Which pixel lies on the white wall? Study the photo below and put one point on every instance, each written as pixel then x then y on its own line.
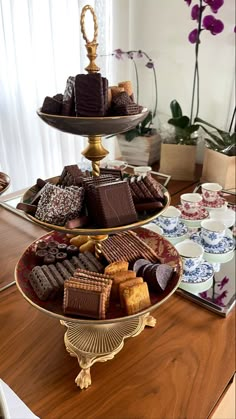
pixel 161 28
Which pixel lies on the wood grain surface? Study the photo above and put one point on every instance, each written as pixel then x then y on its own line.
pixel 179 369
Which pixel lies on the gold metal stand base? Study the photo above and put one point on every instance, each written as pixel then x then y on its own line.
pixel 99 343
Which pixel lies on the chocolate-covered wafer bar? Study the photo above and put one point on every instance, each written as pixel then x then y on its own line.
pixel 99 266
pixel 56 286
pixel 28 208
pixel 89 95
pixel 40 283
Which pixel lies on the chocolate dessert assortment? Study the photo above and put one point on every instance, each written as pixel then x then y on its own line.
pixel 88 95
pixel 79 200
pixel 4 182
pixel 88 287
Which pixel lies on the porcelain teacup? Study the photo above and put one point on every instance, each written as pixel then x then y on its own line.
pixel 210 192
pixel 191 202
pixel 115 164
pixel 191 254
pixel 142 170
pixel 169 219
pixel 212 231
pixel 225 215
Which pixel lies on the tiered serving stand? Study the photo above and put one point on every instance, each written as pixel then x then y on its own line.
pixel 97 340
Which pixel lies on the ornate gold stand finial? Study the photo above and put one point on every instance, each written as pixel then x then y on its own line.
pixel 91 46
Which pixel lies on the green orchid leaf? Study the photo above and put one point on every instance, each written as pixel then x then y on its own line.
pixel 225 135
pixel 233 138
pixel 146 120
pixel 217 140
pixel 175 108
pixel 192 128
pixel 210 144
pixel 130 135
pixel 180 122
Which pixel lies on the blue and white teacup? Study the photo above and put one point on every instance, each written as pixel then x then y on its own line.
pixel 191 254
pixel 169 219
pixel 212 231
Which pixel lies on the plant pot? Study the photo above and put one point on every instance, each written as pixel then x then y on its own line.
pixel 219 168
pixel 141 151
pixel 178 161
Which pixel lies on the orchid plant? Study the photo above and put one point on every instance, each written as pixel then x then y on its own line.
pixel 221 141
pixel 145 127
pixel 205 22
pixel 185 127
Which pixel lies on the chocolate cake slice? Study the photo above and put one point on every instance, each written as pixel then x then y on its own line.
pixel 51 106
pixel 114 204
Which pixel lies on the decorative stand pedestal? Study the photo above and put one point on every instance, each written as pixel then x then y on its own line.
pixel 100 342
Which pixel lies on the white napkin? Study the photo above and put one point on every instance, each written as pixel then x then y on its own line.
pixel 11 406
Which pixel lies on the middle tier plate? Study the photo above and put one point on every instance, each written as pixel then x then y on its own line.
pixel 92 230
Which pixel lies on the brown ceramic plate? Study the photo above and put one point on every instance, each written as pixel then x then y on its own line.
pixel 164 249
pixel 4 182
pixel 92 230
pixel 100 126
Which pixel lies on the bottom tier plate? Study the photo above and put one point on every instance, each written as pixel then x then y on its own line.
pixel 164 249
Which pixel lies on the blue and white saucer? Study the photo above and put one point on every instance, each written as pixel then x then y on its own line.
pixel 175 235
pixel 200 280
pixel 220 253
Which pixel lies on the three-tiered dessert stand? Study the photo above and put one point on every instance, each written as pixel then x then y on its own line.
pixel 91 341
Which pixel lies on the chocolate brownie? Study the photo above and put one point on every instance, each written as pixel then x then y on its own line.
pixel 51 106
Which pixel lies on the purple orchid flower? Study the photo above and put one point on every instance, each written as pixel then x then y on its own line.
pixel 215 5
pixel 215 26
pixel 193 36
pixel 118 53
pixel 220 297
pixel 130 54
pixel 150 64
pixel 195 12
pixel 188 2
pixel 223 282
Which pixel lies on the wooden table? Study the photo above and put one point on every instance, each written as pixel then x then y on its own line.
pixel 179 369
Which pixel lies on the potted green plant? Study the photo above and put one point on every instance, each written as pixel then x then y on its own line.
pixel 141 145
pixel 219 155
pixel 178 154
pixel 181 163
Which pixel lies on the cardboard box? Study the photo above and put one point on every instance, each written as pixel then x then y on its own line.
pixel 219 168
pixel 178 161
pixel 141 151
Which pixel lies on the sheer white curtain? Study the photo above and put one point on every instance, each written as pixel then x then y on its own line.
pixel 40 46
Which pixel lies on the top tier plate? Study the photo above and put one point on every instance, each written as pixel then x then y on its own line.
pixel 92 230
pixel 99 126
